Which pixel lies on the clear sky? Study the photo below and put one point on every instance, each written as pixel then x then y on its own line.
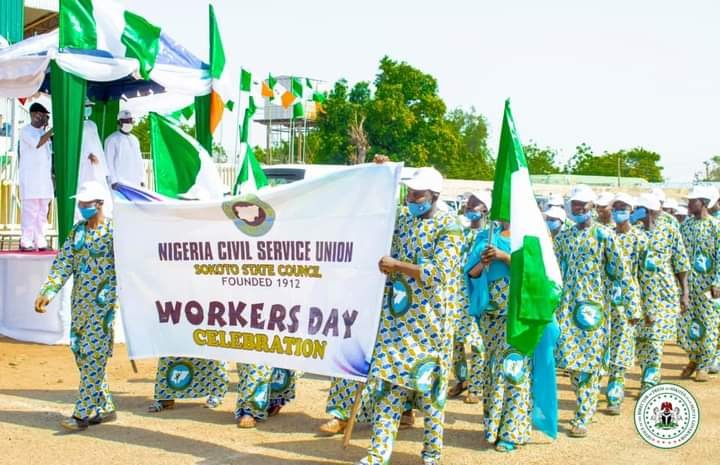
pixel 613 73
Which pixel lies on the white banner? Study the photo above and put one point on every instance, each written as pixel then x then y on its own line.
pixel 287 277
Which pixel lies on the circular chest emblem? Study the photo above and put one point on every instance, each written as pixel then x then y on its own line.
pixel 513 367
pixel 399 298
pixel 667 416
pixel 702 263
pixel 588 316
pixel 424 375
pixel 280 379
pixel 179 376
pixel 650 264
pixel 697 330
pixel 79 238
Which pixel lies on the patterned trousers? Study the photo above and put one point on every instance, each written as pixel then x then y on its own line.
pixel 649 353
pixel 389 404
pixel 587 390
pixel 92 349
pixel 261 388
pixel 469 368
pixel 190 378
pixel 615 392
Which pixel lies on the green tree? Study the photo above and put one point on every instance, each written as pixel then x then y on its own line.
pixel 475 160
pixel 541 160
pixel 635 163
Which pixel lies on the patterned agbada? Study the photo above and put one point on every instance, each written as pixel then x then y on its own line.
pixel 191 378
pixel 87 256
pixel 467 332
pixel 591 262
pixel 665 257
pixel 414 344
pixel 262 388
pixel 625 310
pixel 699 326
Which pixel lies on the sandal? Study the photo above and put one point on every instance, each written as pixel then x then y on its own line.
pixel 689 370
pixel 103 418
pixel 504 446
pixel 578 432
pixel 75 424
pixel 274 410
pixel 160 405
pixel 407 420
pixel 213 402
pixel 246 422
pixel 334 426
pixel 701 376
pixel 458 389
pixel 472 399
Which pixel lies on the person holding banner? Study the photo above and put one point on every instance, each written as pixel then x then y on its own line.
pixel 87 256
pixel 414 344
pixel 469 375
pixel 592 261
pixel 262 392
pixel 189 378
pixel 506 402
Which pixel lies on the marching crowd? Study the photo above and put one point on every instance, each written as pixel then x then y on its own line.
pixel 637 272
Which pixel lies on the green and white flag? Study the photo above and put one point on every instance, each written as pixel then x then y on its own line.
pixel 251 177
pixel 106 26
pixel 535 279
pixel 182 167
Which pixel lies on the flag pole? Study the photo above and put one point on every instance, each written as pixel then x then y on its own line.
pixel 351 421
pixel 237 119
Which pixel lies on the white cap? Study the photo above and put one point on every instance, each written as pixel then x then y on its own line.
pixel 484 196
pixel 426 179
pixel 704 192
pixel 659 194
pixel 671 204
pixel 605 199
pixel 556 212
pixel 556 200
pixel 681 210
pixel 649 201
pixel 624 198
pixel 582 193
pixel 91 190
pixel 125 114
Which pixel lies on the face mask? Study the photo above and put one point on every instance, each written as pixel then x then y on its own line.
pixel 638 214
pixel 716 214
pixel 553 225
pixel 473 216
pixel 581 218
pixel 620 216
pixel 88 112
pixel 88 212
pixel 419 209
pixel 126 127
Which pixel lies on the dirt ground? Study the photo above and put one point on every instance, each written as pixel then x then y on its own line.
pixel 38 386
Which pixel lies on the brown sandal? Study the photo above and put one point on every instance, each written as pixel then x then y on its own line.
pixel 689 370
pixel 160 405
pixel 334 426
pixel 246 422
pixel 458 389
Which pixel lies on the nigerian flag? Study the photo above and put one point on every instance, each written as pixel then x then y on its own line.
pixel 182 167
pixel 251 176
pixel 535 280
pixel 106 26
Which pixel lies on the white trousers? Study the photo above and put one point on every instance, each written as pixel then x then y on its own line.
pixel 33 221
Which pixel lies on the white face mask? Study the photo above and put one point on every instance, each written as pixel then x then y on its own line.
pixel 88 112
pixel 126 127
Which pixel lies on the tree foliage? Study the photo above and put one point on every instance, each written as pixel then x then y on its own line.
pixel 541 160
pixel 635 163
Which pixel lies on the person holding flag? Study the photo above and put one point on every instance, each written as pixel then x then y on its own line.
pixel 87 257
pixel 663 285
pixel 515 287
pixel 592 263
pixel 700 324
pixel 625 303
pixel 469 373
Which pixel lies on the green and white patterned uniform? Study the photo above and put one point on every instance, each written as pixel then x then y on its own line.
pixel 467 332
pixel 698 328
pixel 591 263
pixel 87 256
pixel 190 378
pixel 261 388
pixel 664 257
pixel 414 344
pixel 625 305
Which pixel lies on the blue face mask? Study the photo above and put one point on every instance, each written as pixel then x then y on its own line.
pixel 581 218
pixel 88 212
pixel 638 214
pixel 716 214
pixel 553 225
pixel 419 209
pixel 620 216
pixel 473 216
